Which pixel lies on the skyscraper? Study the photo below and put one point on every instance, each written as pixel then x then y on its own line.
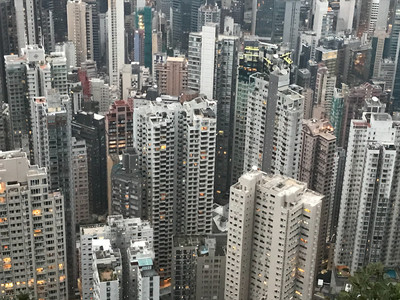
pixel 116 40
pixel 270 217
pixel 177 156
pixel 51 135
pixel 33 240
pixel 274 124
pixel 90 127
pixel 278 20
pixel 80 30
pixel 80 184
pixel 317 169
pixel 226 59
pixel 368 225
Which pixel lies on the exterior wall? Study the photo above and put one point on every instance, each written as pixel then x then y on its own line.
pixel 272 238
pixel 37 255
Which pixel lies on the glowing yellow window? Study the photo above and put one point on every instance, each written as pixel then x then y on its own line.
pixel 36 212
pixel 60 266
pixel 204 128
pixel 163 147
pixel 2 220
pixel 307 210
pixel 6 259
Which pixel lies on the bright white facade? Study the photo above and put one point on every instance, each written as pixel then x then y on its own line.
pixel 272 238
pixel 107 271
pixel 116 39
pixel 33 250
pixel 207 60
pixel 201 60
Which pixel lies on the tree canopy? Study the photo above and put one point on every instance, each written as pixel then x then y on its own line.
pixel 370 283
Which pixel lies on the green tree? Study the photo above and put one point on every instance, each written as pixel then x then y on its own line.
pixel 370 283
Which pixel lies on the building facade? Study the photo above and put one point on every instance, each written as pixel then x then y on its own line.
pixel 34 258
pixel 273 236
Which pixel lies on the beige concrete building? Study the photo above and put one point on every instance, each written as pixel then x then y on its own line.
pixel 79 31
pixel 273 236
pixel 173 76
pixel 317 169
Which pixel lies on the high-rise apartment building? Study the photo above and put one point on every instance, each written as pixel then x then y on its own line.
pixel 51 139
pixel 273 126
pixel 250 62
pixel 273 237
pixel 80 30
pixel 354 100
pixel 119 128
pixel 31 75
pixel 368 226
pixel 317 169
pixel 33 240
pixel 90 127
pixel 201 60
pixel 80 184
pixel 116 40
pixel 177 156
pixel 173 76
pixel 107 271
pixel 126 185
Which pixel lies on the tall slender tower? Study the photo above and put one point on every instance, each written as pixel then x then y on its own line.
pixel 116 40
pixel 368 228
pixel 80 30
pixel 272 238
pixel 225 93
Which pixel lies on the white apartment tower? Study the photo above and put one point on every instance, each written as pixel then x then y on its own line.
pixel 116 40
pixel 201 60
pixel 368 228
pixel 33 250
pixel 272 238
pixel 177 145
